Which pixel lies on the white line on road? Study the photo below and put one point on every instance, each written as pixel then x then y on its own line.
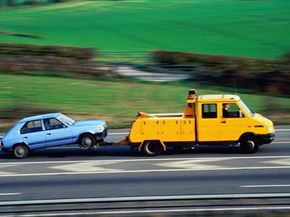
pixel 9 194
pixel 146 159
pixel 281 142
pixel 118 133
pixel 177 170
pixel 265 186
pixel 282 130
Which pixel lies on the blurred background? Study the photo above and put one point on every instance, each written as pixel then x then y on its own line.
pixel 110 59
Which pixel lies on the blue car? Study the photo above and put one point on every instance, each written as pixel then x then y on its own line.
pixel 51 130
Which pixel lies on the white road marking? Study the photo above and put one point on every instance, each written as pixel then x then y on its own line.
pixel 143 171
pixel 175 165
pixel 281 161
pixel 85 167
pixel 265 186
pixel 193 164
pixel 282 130
pixel 281 142
pixel 148 159
pixel 118 133
pixel 9 194
pixel 5 173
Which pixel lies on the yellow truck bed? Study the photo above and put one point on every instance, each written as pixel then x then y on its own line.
pixel 165 127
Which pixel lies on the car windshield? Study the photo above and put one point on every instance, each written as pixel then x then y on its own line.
pixel 246 108
pixel 66 120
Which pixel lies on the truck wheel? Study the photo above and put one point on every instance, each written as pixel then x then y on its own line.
pixel 249 145
pixel 151 148
pixel 87 141
pixel 20 151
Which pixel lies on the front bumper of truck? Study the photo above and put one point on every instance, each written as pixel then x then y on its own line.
pixel 266 138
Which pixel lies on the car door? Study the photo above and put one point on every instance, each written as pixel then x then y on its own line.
pixel 57 133
pixel 33 134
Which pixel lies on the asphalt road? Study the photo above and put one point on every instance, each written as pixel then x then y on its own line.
pixel 68 172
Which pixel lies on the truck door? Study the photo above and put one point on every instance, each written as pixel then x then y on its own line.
pixel 208 123
pixel 233 122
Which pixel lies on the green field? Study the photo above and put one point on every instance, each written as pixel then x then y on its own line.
pixel 134 28
pixel 115 101
pixel 228 27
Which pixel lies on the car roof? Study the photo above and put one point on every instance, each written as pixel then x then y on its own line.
pixel 38 117
pixel 218 97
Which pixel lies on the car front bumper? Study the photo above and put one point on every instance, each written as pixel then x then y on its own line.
pixel 102 135
pixel 266 138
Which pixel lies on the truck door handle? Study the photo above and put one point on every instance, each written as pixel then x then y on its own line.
pixel 223 122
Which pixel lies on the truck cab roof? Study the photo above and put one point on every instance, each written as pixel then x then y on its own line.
pixel 218 97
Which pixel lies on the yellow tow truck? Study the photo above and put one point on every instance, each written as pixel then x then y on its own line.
pixel 207 120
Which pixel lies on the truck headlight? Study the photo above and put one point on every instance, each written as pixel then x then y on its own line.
pixel 271 129
pixel 101 128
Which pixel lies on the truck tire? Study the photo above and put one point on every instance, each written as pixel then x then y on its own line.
pixel 20 151
pixel 249 145
pixel 87 141
pixel 151 148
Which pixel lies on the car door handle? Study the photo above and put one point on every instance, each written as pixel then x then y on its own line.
pixel 25 137
pixel 48 134
pixel 223 122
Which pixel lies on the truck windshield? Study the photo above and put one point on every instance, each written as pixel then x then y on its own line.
pixel 246 108
pixel 66 120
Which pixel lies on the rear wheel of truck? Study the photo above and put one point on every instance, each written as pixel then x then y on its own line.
pixel 20 151
pixel 249 144
pixel 151 148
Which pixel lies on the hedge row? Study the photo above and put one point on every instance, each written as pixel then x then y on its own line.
pixel 39 50
pixel 272 76
pixel 22 58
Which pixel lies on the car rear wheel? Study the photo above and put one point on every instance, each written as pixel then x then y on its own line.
pixel 87 141
pixel 20 151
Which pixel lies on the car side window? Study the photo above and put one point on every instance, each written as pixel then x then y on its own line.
pixel 31 127
pixel 231 110
pixel 52 124
pixel 209 111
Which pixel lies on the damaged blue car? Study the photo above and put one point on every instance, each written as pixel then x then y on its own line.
pixel 51 130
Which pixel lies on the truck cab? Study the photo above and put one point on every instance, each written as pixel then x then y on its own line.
pixel 207 120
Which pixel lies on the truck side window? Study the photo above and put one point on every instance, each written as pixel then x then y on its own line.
pixel 209 111
pixel 231 110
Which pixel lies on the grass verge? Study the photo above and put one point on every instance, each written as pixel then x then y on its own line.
pixel 117 102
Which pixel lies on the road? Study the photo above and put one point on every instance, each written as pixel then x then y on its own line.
pixel 68 172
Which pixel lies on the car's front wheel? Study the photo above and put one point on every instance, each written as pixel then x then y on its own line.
pixel 87 141
pixel 20 151
pixel 249 145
